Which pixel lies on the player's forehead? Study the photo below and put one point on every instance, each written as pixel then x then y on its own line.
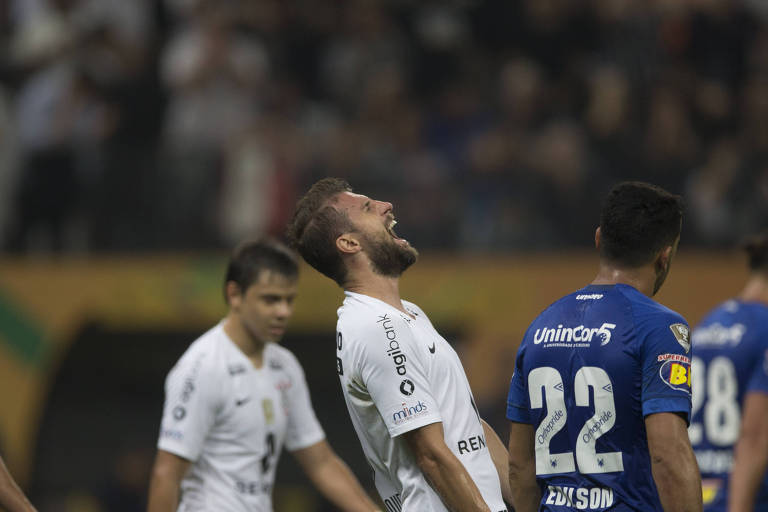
pixel 349 200
pixel 271 282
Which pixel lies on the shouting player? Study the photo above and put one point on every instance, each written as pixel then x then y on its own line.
pixel 405 388
pixel 236 397
pixel 730 394
pixel 601 395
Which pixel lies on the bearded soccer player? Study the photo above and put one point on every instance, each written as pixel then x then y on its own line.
pixel 405 388
pixel 730 394
pixel 236 397
pixel 600 397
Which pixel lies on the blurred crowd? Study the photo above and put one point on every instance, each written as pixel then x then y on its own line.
pixel 491 125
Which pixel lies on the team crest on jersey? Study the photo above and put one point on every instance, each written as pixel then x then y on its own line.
pixel 269 411
pixel 682 335
pixel 676 374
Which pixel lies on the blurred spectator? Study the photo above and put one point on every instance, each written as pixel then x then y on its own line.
pixel 509 118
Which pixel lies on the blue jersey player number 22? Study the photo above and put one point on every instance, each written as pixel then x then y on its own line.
pixel 588 370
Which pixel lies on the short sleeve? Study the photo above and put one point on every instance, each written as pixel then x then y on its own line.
pixel 396 378
pixel 190 408
pixel 303 429
pixel 666 366
pixel 518 405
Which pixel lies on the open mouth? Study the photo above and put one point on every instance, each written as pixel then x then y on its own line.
pixel 391 231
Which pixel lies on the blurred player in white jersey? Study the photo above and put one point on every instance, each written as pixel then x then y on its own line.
pixel 405 388
pixel 11 497
pixel 236 397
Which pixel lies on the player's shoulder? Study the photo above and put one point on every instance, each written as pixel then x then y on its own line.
pixel 205 355
pixel 360 313
pixel 645 309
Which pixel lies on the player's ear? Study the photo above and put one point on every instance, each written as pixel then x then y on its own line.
pixel 234 296
pixel 664 258
pixel 347 243
pixel 597 237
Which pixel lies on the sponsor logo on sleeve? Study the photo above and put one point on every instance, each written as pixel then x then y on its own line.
pixel 393 349
pixel 407 387
pixel 677 375
pixel 179 412
pixel 339 366
pixel 409 412
pixel 682 335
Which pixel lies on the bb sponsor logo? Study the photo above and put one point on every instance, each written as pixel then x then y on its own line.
pixel 407 387
pixel 393 350
pixel 580 498
pixel 569 337
pixel 408 413
pixel 682 335
pixel 677 375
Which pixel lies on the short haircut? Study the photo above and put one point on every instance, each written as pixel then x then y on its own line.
pixel 756 247
pixel 637 221
pixel 316 225
pixel 253 257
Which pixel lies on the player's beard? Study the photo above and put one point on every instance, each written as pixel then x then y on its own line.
pixel 389 258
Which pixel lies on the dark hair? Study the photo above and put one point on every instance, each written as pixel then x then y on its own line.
pixel 756 247
pixel 316 225
pixel 253 257
pixel 637 221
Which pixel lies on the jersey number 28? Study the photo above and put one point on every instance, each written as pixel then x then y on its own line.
pixel 546 383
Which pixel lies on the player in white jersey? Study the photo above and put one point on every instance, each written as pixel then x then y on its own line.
pixel 235 398
pixel 405 388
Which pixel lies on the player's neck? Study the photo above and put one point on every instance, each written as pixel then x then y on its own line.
pixel 385 289
pixel 756 289
pixel 250 346
pixel 642 279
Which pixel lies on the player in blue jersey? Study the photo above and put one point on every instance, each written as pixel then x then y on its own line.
pixel 600 397
pixel 730 399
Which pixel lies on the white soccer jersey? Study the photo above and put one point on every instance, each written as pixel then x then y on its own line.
pixel 231 419
pixel 398 374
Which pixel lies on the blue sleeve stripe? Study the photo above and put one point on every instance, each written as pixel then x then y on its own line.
pixel 682 404
pixel 518 414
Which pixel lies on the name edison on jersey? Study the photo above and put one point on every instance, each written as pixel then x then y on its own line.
pixel 579 336
pixel 581 498
pixel 394 346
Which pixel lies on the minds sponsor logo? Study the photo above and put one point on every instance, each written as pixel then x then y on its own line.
pixel 393 351
pixel 579 336
pixel 408 413
pixel 172 434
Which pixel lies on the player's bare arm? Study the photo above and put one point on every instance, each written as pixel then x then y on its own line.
pixel 333 478
pixel 750 455
pixel 444 471
pixel 11 496
pixel 500 458
pixel 673 463
pixel 526 495
pixel 165 481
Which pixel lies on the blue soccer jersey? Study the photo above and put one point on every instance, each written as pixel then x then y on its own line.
pixel 588 371
pixel 731 346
